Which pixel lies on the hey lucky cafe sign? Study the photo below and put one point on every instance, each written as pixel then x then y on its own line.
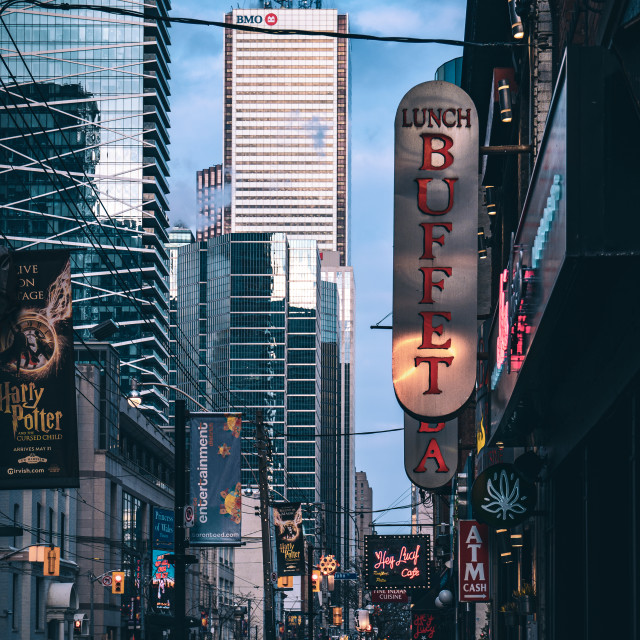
pixel 435 251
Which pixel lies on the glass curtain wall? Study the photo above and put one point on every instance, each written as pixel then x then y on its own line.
pixel 83 117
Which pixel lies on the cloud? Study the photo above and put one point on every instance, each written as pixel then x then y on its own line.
pixel 430 20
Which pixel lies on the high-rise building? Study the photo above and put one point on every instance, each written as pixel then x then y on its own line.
pixel 286 136
pixel 83 117
pixel 178 237
pixel 363 499
pixel 338 325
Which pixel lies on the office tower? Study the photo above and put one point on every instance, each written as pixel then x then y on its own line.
pixel 83 116
pixel 341 400
pixel 232 303
pixel 178 237
pixel 286 137
pixel 363 510
pixel 250 302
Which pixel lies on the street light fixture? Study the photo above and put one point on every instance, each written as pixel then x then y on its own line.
pixel 179 500
pixel 134 399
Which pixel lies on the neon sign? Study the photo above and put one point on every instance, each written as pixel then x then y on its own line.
pixel 397 562
pixel 423 626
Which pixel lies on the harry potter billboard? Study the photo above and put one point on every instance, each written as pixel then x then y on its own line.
pixel 287 517
pixel 37 384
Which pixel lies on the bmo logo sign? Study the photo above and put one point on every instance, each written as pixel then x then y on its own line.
pixel 270 19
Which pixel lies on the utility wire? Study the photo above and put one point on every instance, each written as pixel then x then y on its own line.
pixel 65 6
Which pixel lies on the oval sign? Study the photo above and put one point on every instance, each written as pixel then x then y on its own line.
pixel 435 256
pixel 430 451
pixel 502 497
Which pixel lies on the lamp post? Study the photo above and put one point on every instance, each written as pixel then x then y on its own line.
pixel 179 499
pixel 178 530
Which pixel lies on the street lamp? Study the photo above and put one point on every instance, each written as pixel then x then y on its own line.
pixel 238 614
pixel 179 500
pixel 134 399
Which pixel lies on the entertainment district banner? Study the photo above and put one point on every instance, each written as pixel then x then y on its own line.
pixel 215 479
pixel 38 422
pixel 287 518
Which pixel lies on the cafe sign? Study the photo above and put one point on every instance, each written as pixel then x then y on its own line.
pixel 397 562
pixel 435 251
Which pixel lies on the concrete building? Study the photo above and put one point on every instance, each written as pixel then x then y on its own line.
pixel 34 606
pixel 363 499
pixel 286 135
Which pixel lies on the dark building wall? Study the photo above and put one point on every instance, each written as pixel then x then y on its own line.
pixel 574 404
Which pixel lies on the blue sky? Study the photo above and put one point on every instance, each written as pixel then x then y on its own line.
pixel 381 73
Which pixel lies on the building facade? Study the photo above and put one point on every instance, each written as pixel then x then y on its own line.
pixel 178 237
pixel 553 404
pixel 258 325
pixel 84 109
pixel 286 135
pixel 339 405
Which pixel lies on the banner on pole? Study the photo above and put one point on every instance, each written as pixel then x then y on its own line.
pixel 38 421
pixel 215 479
pixel 287 518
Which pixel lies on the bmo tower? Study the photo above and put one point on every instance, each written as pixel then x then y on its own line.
pixel 286 134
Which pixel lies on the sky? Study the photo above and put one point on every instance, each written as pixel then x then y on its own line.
pixel 381 74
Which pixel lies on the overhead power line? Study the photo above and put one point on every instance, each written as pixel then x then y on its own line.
pixel 65 6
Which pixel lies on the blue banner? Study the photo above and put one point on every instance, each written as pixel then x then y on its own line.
pixel 162 529
pixel 215 479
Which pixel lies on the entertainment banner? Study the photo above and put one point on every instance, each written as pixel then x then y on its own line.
pixel 287 518
pixel 38 422
pixel 215 479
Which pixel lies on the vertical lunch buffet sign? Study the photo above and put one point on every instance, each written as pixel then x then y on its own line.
pixel 38 421
pixel 434 267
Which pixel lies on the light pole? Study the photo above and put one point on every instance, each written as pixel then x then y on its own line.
pixel 263 455
pixel 179 500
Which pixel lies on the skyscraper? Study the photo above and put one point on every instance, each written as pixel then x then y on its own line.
pixel 342 396
pixel 249 303
pixel 286 137
pixel 83 116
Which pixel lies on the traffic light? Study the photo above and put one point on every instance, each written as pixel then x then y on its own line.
pixel 51 563
pixel 117 582
pixel 77 627
pixel 285 582
pixel 316 578
pixel 337 615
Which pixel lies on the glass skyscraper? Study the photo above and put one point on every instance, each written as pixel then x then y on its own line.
pixel 83 117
